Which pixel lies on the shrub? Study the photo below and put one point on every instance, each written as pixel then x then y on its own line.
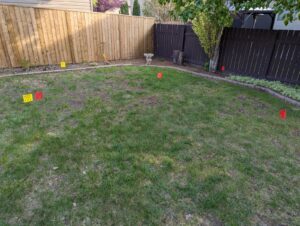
pixel 124 9
pixel 136 11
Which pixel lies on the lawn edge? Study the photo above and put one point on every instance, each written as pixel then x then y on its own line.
pixel 198 74
pixel 63 70
pixel 212 77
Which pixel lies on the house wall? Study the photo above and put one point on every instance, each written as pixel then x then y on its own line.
pixel 78 5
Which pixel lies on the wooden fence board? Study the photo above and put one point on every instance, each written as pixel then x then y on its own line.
pixel 193 51
pixel 264 54
pixel 168 38
pixel 48 36
pixel 5 40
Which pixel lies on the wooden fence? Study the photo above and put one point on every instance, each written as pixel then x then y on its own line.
pixel 169 37
pixel 264 54
pixel 46 36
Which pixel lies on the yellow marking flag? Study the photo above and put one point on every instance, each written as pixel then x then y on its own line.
pixel 27 98
pixel 63 64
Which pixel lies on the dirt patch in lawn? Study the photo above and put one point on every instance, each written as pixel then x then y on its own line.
pixel 296 132
pixel 149 101
pixel 170 218
pixel 262 220
pixel 261 108
pixel 32 201
pixel 34 83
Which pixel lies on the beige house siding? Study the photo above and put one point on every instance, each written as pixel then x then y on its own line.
pixel 78 5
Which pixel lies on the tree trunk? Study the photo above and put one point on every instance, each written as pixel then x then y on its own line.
pixel 213 63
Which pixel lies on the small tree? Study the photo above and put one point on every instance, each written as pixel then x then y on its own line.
pixel 136 11
pixel 208 25
pixel 124 9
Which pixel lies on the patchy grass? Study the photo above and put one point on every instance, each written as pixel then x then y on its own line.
pixel 117 146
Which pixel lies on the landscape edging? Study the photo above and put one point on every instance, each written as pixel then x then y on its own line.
pixel 261 88
pixel 204 75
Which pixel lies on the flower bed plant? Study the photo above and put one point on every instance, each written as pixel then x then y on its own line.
pixel 286 90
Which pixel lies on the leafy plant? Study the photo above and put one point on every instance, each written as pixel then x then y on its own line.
pixel 124 9
pixel 136 11
pixel 160 12
pixel 289 91
pixel 208 25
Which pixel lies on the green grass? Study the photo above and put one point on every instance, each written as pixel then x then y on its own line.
pixel 286 90
pixel 117 146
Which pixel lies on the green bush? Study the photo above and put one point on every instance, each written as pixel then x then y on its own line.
pixel 124 9
pixel 289 91
pixel 136 11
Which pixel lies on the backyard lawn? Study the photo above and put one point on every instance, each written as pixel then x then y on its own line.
pixel 117 146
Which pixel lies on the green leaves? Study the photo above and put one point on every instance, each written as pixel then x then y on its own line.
pixel 212 17
pixel 291 8
pixel 189 9
pixel 124 9
pixel 136 8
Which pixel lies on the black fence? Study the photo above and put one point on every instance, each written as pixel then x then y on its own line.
pixel 264 54
pixel 169 37
pixel 272 55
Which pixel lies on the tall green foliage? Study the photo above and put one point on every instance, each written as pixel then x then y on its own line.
pixel 152 8
pixel 208 25
pixel 188 9
pixel 136 11
pixel 124 9
pixel 207 33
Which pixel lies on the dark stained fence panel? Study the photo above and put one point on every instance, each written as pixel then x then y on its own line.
pixel 285 63
pixel 258 53
pixel 246 51
pixel 263 54
pixel 193 51
pixel 168 37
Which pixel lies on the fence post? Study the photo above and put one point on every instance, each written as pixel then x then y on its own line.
pixel 272 53
pixel 183 38
pixel 68 20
